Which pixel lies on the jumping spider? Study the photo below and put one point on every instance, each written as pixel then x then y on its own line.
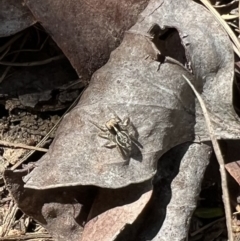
pixel 119 133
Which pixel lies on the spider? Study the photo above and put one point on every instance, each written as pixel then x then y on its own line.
pixel 119 134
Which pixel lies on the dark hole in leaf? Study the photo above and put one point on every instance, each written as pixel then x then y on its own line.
pixel 168 43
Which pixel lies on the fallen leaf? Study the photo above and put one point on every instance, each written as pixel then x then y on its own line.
pixel 185 187
pixel 65 208
pixel 158 102
pixel 121 208
pixel 234 170
pixel 86 31
pixel 14 17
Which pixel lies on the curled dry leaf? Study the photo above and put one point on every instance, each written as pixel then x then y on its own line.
pixel 14 17
pixel 155 98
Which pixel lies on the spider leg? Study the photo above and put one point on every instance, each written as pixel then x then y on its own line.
pixel 104 135
pixel 110 145
pixel 102 128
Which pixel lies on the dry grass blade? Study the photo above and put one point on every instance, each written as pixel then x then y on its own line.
pixel 239 13
pixel 9 219
pixel 225 5
pixel 36 63
pixel 30 50
pixel 236 50
pixel 229 17
pixel 233 25
pixel 10 42
pixel 4 200
pixel 219 156
pixel 20 145
pixel 223 23
pixel 14 58
pixel 27 236
pixel 4 53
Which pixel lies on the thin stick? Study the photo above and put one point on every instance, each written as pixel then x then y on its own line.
pixel 27 236
pixel 236 50
pixel 30 50
pixel 4 54
pixel 219 157
pixel 225 5
pixel 10 218
pixel 10 42
pixel 4 200
pixel 14 58
pixel 238 14
pixel 36 63
pixel 206 226
pixel 20 145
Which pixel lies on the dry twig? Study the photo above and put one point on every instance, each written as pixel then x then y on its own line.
pixel 20 145
pixel 9 219
pixel 30 50
pixel 225 5
pixel 14 58
pixel 27 236
pixel 219 157
pixel 34 63
pixel 10 42
pixel 4 53
pixel 239 13
pixel 6 199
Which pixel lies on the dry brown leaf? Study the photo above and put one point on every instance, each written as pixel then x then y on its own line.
pixel 209 52
pixel 86 31
pixel 234 170
pixel 122 208
pixel 192 159
pixel 14 17
pixel 65 208
pixel 156 99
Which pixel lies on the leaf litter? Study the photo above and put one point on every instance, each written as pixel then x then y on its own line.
pixel 207 64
